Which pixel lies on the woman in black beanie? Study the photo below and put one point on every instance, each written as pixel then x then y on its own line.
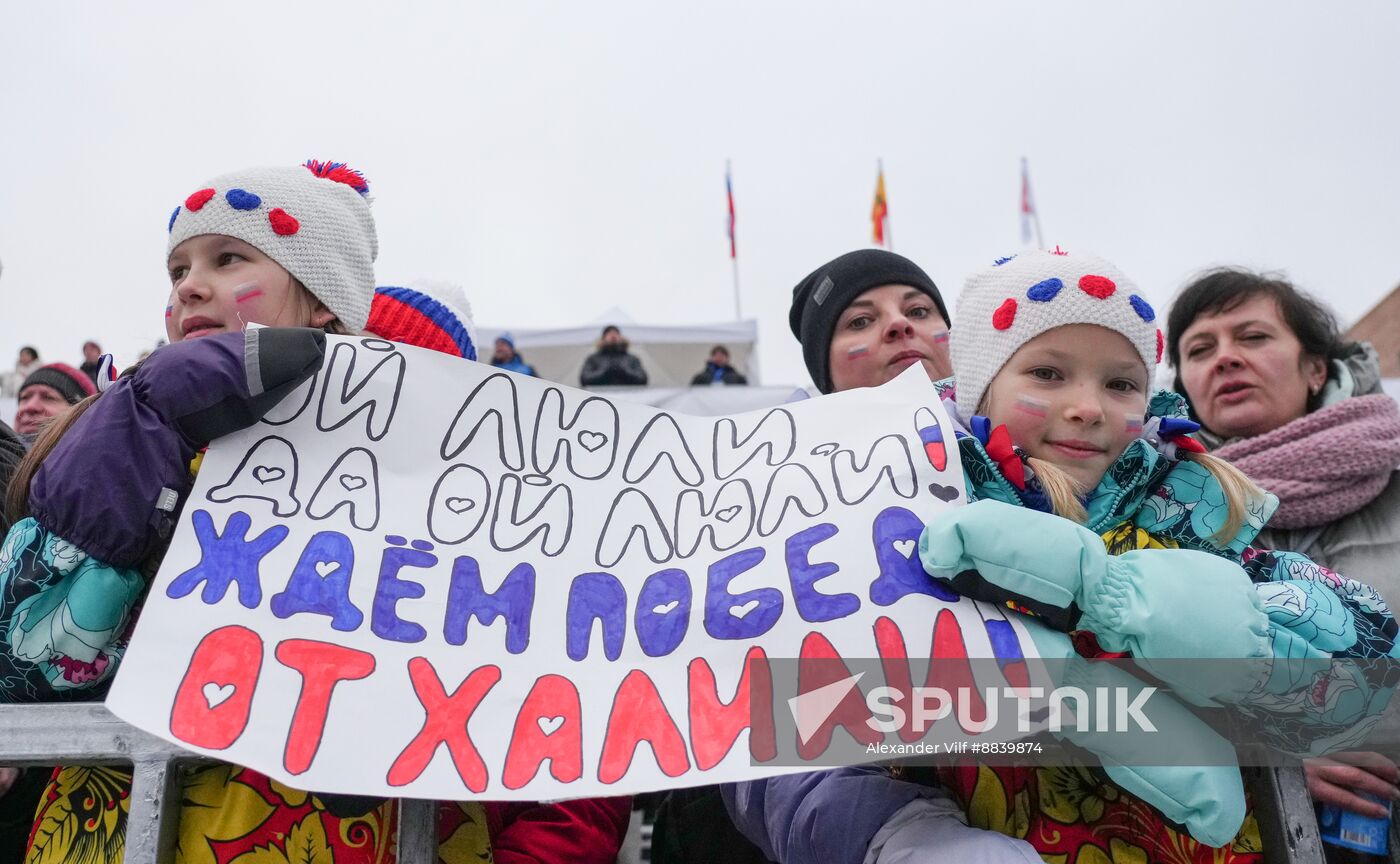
pixel 865 317
pixel 862 319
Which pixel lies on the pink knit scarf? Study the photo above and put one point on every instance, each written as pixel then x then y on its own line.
pixel 1324 465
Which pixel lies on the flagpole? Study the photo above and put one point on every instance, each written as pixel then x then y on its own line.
pixel 889 235
pixel 1028 204
pixel 738 314
pixel 733 244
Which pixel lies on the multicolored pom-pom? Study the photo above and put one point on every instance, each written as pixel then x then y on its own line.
pixel 340 173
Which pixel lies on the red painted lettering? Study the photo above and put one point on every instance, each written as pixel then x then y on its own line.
pixel 715 724
pixel 638 714
pixel 322 666
pixel 549 726
pixel 819 666
pixel 211 706
pixel 445 723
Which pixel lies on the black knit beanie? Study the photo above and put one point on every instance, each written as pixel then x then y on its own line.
pixel 819 300
pixel 71 384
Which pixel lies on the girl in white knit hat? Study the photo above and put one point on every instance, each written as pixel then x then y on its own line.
pixel 291 246
pixel 1096 516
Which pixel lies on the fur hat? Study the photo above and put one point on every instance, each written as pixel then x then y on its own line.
pixel 1022 296
pixel 313 220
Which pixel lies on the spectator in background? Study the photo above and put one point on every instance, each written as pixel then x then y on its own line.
pixel 92 355
pixel 28 361
pixel 505 357
pixel 48 392
pixel 611 365
pixel 717 370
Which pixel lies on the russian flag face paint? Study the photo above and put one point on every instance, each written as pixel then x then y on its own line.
pixel 247 292
pixel 1133 425
pixel 169 310
pixel 1032 406
pixel 859 352
pixel 940 338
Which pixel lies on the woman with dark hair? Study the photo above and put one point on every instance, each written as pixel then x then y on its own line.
pixel 1302 413
pixel 1281 396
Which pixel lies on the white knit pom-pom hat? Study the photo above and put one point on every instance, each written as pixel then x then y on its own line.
pixel 1022 296
pixel 313 219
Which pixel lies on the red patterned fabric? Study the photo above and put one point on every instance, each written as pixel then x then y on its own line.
pixel 1075 815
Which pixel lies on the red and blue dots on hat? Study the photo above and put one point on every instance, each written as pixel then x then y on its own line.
pixel 283 223
pixel 1096 286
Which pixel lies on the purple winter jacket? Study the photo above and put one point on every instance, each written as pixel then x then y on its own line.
pixel 790 817
pixel 113 483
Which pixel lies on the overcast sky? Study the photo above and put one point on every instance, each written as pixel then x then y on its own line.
pixel 558 159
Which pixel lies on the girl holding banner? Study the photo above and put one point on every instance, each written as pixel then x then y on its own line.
pixel 1097 513
pixel 292 248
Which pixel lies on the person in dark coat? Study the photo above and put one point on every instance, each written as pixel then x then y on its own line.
pixel 611 365
pixel 717 370
pixel 92 358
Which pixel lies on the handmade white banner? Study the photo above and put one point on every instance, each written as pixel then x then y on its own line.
pixel 422 577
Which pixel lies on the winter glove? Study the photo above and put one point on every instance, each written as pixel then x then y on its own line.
pixel 1152 603
pixel 1207 799
pixel 112 484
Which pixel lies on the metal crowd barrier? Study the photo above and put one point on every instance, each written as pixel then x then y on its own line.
pixel 88 734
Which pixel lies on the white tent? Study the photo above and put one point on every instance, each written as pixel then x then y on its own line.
pixel 670 354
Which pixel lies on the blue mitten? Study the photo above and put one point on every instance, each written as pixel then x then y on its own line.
pixel 1152 603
